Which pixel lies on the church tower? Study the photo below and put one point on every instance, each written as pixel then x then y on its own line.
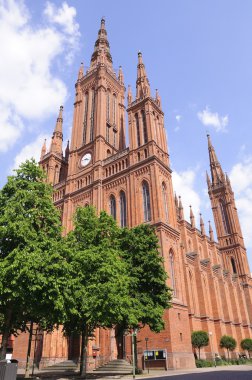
pixel 226 219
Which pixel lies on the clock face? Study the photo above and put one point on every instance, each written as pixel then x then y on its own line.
pixel 85 159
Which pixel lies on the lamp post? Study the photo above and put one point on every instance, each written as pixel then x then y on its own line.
pixel 146 340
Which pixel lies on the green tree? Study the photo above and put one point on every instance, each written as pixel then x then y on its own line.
pixel 32 270
pixel 246 344
pixel 199 339
pixel 99 286
pixel 228 342
pixel 148 289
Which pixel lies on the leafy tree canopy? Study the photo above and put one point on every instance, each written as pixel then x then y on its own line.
pixel 32 270
pixel 228 342
pixel 246 344
pixel 199 339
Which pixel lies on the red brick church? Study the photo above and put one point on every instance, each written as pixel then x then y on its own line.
pixel 211 281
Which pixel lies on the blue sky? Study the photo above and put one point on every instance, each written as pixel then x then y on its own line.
pixel 197 53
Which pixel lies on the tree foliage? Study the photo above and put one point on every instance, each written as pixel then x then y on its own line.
pixel 228 342
pixel 118 278
pixel 246 344
pixel 32 271
pixel 199 339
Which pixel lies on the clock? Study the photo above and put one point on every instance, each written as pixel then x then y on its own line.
pixel 85 160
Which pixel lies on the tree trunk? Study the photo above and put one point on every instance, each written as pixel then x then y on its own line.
pixel 199 353
pixel 228 354
pixel 83 357
pixel 6 333
pixel 27 367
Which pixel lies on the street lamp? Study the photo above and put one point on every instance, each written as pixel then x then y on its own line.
pixel 146 340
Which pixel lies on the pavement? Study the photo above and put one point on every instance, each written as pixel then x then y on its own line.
pixel 234 372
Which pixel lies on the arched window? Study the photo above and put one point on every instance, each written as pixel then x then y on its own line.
pixel 85 118
pixel 145 133
pixel 137 130
pixel 224 217
pixel 92 116
pixel 164 194
pixel 112 205
pixel 146 202
pixel 114 109
pixel 172 272
pixel 108 106
pixel 123 209
pixel 233 265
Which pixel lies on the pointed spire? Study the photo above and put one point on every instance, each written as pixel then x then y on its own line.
pixel 129 96
pixel 158 99
pixel 228 181
pixel 208 180
pixel 211 231
pixel 192 219
pixel 81 71
pixel 67 151
pixel 120 75
pixel 142 83
pixel 202 225
pixel 57 137
pixel 101 54
pixel 176 200
pixel 181 209
pixel 217 174
pixel 43 150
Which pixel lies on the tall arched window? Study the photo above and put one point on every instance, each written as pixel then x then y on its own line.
pixel 224 217
pixel 137 130
pixel 114 109
pixel 164 194
pixel 108 106
pixel 85 118
pixel 112 205
pixel 145 133
pixel 233 265
pixel 123 209
pixel 146 202
pixel 92 116
pixel 172 272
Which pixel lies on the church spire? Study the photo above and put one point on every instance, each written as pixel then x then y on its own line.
pixel 217 174
pixel 57 137
pixel 192 219
pixel 81 71
pixel 142 83
pixel 43 150
pixel 181 209
pixel 129 96
pixel 202 225
pixel 101 54
pixel 120 75
pixel 211 235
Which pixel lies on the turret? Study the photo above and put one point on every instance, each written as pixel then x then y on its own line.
pixel 57 137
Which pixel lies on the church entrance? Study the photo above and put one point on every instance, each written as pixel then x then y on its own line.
pixel 119 336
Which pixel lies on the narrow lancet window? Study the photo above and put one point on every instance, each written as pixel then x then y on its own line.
pixel 145 133
pixel 85 118
pixel 112 204
pixel 164 193
pixel 146 202
pixel 114 109
pixel 137 130
pixel 224 216
pixel 123 209
pixel 172 272
pixel 92 116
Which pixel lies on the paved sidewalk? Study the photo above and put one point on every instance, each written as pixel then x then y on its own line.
pixel 91 375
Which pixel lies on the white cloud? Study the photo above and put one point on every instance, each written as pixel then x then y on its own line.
pixel 183 184
pixel 31 150
pixel 241 180
pixel 213 119
pixel 30 89
pixel 178 118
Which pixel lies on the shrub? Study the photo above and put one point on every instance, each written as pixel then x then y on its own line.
pixel 200 363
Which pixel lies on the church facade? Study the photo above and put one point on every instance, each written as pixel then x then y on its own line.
pixel 211 281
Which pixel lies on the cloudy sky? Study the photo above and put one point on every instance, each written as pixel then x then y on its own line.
pixel 197 53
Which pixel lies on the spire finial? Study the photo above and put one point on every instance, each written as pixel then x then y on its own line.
pixel 142 82
pixel 181 209
pixel 217 174
pixel 43 150
pixel 192 219
pixel 101 54
pixel 81 71
pixel 120 75
pixel 129 96
pixel 210 231
pixel 57 137
pixel 202 225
